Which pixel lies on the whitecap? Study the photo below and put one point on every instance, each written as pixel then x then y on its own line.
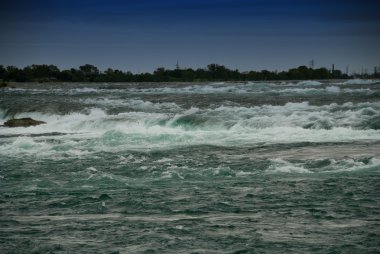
pixel 282 166
pixel 359 82
pixel 309 83
pixel 332 89
pixel 97 131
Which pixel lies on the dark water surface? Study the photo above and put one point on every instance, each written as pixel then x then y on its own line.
pixel 191 168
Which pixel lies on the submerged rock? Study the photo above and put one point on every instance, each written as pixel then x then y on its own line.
pixel 22 122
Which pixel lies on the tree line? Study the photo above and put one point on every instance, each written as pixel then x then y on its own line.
pixel 213 72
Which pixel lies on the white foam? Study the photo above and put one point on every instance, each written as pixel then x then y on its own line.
pixel 350 164
pixel 309 83
pixel 315 91
pixel 359 82
pixel 308 86
pixel 333 89
pixel 201 89
pixel 171 173
pixel 300 90
pixel 281 166
pixel 136 104
pixel 238 88
pixel 92 169
pixel 164 160
pixel 85 90
pixel 96 131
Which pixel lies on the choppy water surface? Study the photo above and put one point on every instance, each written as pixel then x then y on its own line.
pixel 254 167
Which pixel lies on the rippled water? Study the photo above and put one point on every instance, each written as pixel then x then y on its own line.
pixel 253 167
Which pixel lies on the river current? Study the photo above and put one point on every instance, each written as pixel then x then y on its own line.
pixel 250 167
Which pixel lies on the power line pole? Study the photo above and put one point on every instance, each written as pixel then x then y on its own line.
pixel 311 64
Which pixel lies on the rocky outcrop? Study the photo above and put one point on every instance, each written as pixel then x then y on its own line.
pixel 22 122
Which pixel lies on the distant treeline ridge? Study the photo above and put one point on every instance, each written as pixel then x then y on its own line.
pixel 213 72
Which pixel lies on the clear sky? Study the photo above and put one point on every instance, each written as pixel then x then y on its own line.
pixel 141 35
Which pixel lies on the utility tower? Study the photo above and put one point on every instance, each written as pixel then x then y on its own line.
pixel 311 64
pixel 376 72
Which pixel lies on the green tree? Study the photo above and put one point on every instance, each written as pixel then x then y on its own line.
pixel 42 72
pixel 2 72
pixel 89 71
pixel 15 74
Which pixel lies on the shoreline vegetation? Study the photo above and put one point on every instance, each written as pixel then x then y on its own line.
pixel 213 72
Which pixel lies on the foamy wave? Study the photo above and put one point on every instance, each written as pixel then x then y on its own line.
pixel 333 89
pixel 327 165
pixel 283 166
pixel 250 87
pixel 359 82
pixel 303 115
pixel 134 104
pixel 309 83
pixel 302 87
pixel 147 138
pixel 195 89
pixel 95 130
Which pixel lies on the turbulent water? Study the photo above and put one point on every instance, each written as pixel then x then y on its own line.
pixel 287 167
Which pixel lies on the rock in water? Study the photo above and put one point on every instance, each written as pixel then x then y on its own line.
pixel 22 122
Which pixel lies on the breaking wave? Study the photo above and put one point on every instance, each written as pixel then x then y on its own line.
pixel 151 128
pixel 360 82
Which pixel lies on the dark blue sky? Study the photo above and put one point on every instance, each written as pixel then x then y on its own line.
pixel 142 35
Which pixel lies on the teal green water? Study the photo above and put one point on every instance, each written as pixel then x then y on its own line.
pixel 191 168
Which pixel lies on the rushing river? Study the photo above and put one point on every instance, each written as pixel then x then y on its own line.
pixel 255 167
